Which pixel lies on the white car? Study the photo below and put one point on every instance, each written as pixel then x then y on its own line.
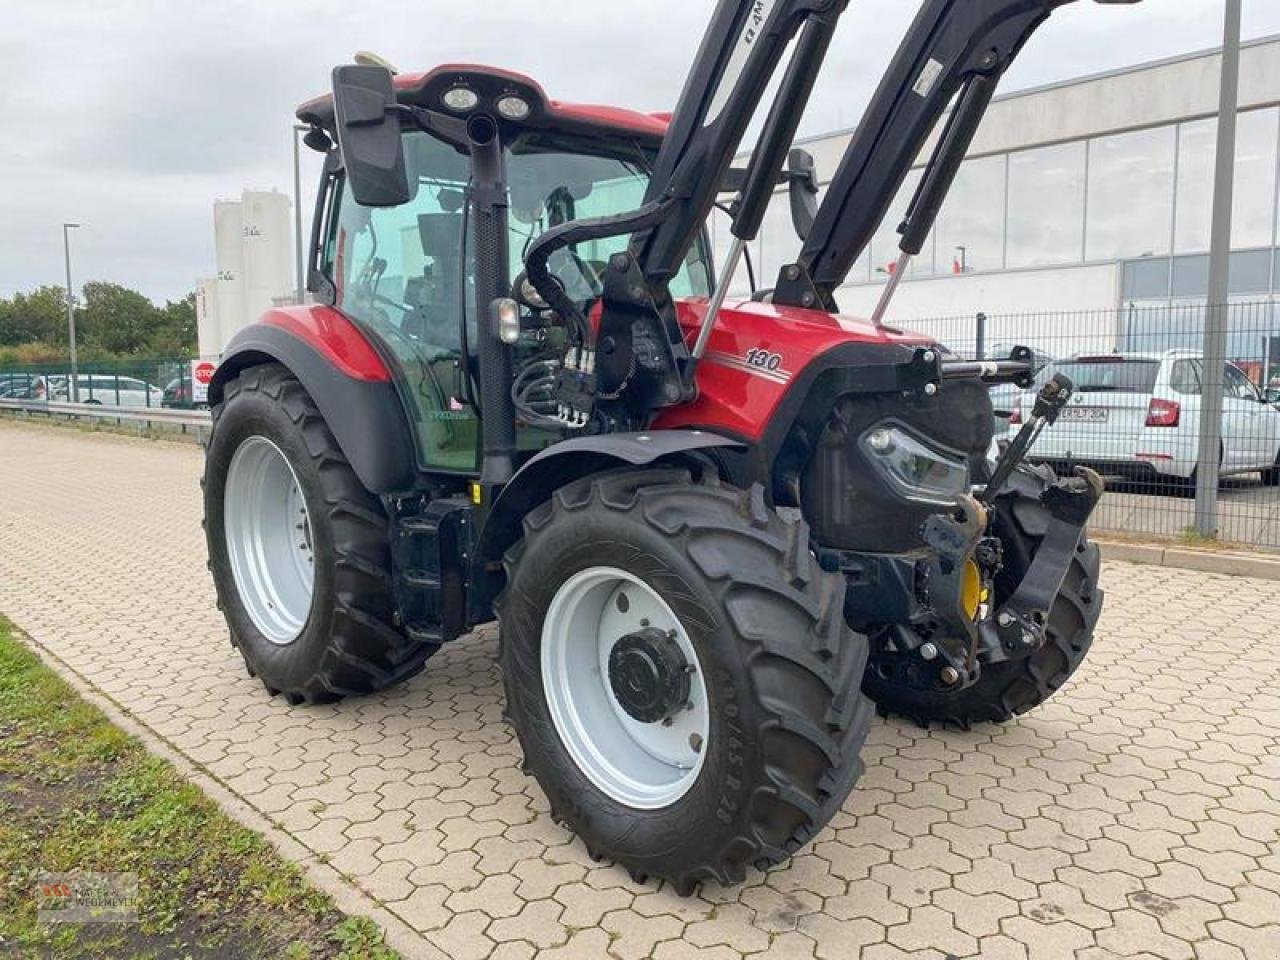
pixel 1138 415
pixel 111 390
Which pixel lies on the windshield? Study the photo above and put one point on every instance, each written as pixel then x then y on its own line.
pixel 551 180
pixel 1108 374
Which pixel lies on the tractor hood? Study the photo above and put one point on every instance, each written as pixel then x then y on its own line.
pixel 758 351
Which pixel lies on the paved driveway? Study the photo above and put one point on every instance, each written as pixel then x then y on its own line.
pixel 1137 815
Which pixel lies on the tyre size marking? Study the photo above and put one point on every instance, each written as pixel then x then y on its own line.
pixel 756 361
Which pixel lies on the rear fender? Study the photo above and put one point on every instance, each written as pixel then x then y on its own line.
pixel 349 381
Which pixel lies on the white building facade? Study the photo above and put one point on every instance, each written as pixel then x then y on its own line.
pixel 252 250
pixel 1089 195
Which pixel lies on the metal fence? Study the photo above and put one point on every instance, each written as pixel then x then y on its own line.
pixel 1136 414
pixel 144 382
pixel 1135 417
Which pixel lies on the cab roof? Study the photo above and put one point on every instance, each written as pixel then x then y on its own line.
pixel 490 83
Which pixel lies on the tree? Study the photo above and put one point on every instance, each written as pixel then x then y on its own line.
pixel 112 321
pixel 36 317
pixel 116 318
pixel 175 332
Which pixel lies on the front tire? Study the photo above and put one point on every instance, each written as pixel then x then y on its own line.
pixel 776 674
pixel 1013 687
pixel 314 616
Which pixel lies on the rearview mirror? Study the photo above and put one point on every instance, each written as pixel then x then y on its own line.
pixel 802 190
pixel 368 124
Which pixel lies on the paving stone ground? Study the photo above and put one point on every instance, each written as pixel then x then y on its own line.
pixel 1137 815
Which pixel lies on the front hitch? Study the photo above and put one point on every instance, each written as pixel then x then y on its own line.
pixel 1018 627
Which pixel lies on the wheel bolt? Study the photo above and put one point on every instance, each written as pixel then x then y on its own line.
pixel 928 652
pixel 695 743
pixel 949 675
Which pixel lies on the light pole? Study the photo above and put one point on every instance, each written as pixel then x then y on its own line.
pixel 73 386
pixel 1216 309
pixel 299 280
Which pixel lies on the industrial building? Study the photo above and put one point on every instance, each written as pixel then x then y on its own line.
pixel 253 255
pixel 1088 195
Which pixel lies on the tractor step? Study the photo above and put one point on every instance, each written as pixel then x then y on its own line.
pixel 430 550
pixel 421 580
pixel 420 632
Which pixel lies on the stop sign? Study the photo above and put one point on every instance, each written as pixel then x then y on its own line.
pixel 203 372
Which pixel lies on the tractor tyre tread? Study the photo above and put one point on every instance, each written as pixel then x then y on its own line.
pixel 800 751
pixel 351 643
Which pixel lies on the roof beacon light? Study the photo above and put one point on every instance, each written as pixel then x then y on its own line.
pixel 460 99
pixel 514 108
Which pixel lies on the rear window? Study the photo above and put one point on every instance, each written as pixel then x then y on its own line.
pixel 1110 374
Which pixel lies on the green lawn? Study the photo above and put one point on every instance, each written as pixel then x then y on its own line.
pixel 79 793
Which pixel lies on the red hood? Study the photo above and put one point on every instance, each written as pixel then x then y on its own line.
pixel 755 353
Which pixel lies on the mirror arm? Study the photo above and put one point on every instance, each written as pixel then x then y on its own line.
pixel 452 130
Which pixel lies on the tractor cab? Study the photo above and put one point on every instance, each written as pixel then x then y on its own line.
pixel 405 273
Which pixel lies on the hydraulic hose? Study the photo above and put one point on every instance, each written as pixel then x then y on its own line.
pixel 580 231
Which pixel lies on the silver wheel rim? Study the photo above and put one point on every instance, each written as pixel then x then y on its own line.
pixel 269 541
pixel 642 765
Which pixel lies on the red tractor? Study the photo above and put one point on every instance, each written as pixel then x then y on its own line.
pixel 714 533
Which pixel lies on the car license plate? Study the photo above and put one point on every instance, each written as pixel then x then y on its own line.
pixel 1086 414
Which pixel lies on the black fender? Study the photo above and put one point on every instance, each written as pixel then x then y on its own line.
pixel 571 460
pixel 365 416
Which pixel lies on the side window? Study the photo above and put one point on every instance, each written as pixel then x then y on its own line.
pixel 1185 378
pixel 400 273
pixel 1237 385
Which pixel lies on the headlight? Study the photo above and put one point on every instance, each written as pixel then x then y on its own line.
pixel 460 99
pixel 514 108
pixel 917 471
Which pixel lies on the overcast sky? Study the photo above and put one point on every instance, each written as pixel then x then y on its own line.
pixel 133 116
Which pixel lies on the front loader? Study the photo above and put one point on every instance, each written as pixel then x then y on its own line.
pixel 714 532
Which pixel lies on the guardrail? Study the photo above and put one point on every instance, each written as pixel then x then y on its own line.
pixel 197 419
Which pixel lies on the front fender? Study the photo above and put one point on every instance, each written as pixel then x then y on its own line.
pixel 345 377
pixel 570 460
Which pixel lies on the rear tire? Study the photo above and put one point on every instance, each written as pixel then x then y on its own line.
pixel 1014 687
pixel 347 641
pixel 1271 477
pixel 781 669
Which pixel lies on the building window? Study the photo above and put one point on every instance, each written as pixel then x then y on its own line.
pixel 1252 220
pixel 1130 195
pixel 970 229
pixel 1046 205
pixel 1255 178
pixel 884 243
pixel 779 244
pixel 1250 272
pixel 1147 279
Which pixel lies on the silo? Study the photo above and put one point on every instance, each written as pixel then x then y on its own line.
pixel 208 329
pixel 229 249
pixel 267 251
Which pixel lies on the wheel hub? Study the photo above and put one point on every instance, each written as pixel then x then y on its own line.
pixel 625 688
pixel 649 675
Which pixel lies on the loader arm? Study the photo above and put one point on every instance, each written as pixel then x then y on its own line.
pixel 953 46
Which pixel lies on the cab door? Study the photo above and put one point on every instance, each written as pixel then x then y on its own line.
pixel 403 275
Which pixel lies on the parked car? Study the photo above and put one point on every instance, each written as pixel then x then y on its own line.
pixel 1005 396
pixel 112 390
pixel 1138 415
pixel 24 386
pixel 177 394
